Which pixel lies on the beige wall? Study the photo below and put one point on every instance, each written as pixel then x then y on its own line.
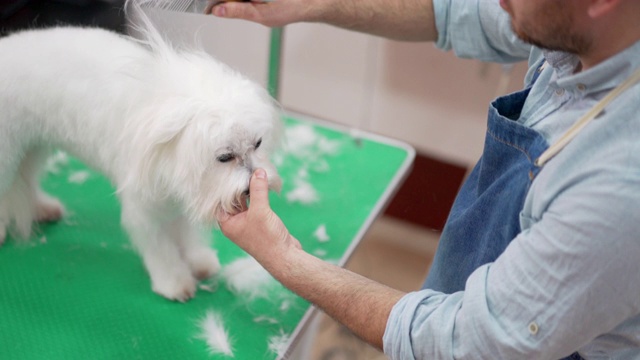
pixel 240 44
pixel 409 91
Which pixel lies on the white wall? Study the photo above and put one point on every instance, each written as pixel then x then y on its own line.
pixel 242 45
pixel 409 91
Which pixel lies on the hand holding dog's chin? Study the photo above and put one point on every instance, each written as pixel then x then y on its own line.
pixel 258 230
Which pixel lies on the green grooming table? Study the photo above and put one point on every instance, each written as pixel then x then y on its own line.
pixel 77 289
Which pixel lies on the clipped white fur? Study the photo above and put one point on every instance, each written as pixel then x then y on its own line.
pixel 215 335
pixel 278 344
pixel 246 277
pixel 321 233
pixel 310 148
pixel 303 192
pixel 79 177
pixel 153 119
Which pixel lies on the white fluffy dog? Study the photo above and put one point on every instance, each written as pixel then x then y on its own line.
pixel 178 133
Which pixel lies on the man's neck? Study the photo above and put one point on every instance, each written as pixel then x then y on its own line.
pixel 594 58
pixel 610 40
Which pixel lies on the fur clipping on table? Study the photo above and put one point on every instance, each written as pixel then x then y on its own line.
pixel 278 344
pixel 246 277
pixel 214 333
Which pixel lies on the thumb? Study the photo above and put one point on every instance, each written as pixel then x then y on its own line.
pixel 259 189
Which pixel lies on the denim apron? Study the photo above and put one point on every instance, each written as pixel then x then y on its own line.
pixel 484 217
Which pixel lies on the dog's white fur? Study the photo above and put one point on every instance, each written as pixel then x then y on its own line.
pixel 157 121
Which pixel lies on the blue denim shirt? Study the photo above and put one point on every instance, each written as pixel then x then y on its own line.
pixel 571 279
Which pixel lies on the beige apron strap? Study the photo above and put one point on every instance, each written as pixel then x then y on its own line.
pixel 554 149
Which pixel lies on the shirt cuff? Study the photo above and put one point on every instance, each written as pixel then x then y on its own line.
pixel 420 326
pixel 441 16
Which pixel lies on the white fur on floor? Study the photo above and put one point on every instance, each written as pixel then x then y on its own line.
pixel 278 344
pixel 246 277
pixel 321 233
pixel 303 192
pixel 215 334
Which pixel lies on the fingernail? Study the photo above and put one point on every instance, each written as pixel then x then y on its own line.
pixel 261 174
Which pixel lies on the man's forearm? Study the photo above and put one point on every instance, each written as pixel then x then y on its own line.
pixel 411 20
pixel 358 303
pixel 355 301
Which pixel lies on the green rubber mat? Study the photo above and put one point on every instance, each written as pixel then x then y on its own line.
pixel 77 290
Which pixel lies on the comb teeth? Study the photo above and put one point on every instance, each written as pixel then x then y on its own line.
pixel 180 5
pixel 176 5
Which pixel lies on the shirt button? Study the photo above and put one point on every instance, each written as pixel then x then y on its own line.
pixel 533 328
pixel 581 87
pixel 560 92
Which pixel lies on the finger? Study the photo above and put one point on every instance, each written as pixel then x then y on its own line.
pixel 222 216
pixel 269 14
pixel 259 189
pixel 232 225
pixel 233 10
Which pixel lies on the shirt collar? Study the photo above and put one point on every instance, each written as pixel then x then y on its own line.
pixel 604 76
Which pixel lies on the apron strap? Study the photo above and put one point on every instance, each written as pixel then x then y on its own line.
pixel 554 149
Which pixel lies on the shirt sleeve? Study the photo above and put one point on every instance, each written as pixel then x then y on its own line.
pixel 564 281
pixel 529 304
pixel 478 29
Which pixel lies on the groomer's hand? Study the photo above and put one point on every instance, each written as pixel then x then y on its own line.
pixel 258 230
pixel 275 13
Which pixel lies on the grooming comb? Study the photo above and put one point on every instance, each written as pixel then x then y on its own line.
pixel 191 6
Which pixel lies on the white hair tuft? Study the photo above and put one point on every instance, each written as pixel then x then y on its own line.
pixel 214 333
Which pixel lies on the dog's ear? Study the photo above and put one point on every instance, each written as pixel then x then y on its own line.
pixel 151 136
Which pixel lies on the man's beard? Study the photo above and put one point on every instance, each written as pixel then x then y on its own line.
pixel 560 42
pixel 555 32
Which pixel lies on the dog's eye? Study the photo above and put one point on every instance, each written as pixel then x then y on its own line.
pixel 225 158
pixel 258 144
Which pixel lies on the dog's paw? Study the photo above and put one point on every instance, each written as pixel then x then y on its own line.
pixel 177 288
pixel 203 262
pixel 49 209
